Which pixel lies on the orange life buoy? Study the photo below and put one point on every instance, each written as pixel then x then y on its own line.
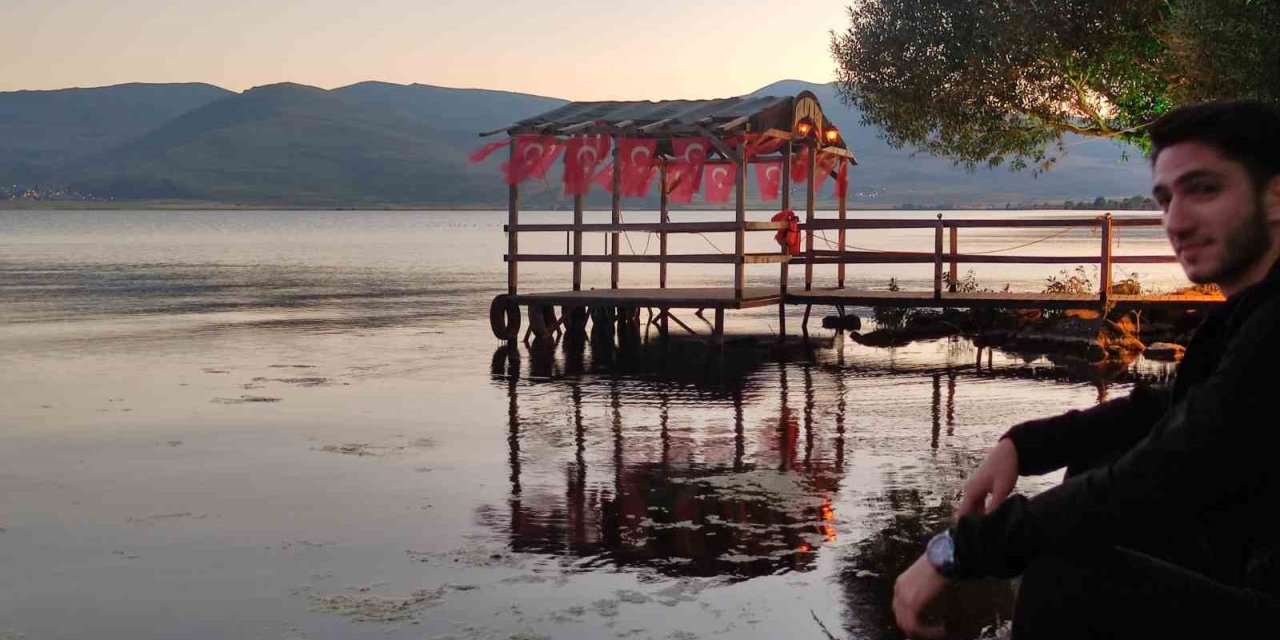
pixel 789 238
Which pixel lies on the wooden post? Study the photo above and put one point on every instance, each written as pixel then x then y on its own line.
pixel 809 195
pixel 577 243
pixel 617 209
pixel 937 259
pixel 664 211
pixel 513 219
pixel 740 216
pixel 1104 273
pixel 955 248
pixel 843 213
pixel 785 266
pixel 717 332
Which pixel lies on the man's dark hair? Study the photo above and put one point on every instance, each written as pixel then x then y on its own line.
pixel 1245 131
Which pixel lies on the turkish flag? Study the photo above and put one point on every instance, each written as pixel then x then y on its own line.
pixel 768 179
pixel 484 152
pixel 800 166
pixel 532 157
pixel 604 179
pixel 754 144
pixel 639 165
pixel 826 163
pixel 842 180
pixel 718 184
pixel 581 157
pixel 682 183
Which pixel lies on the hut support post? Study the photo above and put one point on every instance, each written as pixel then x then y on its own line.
pixel 937 259
pixel 955 248
pixel 617 210
pixel 577 243
pixel 1104 273
pixel 843 214
pixel 784 266
pixel 664 212
pixel 513 219
pixel 740 216
pixel 809 195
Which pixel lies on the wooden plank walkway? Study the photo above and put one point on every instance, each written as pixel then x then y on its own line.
pixel 988 300
pixel 673 298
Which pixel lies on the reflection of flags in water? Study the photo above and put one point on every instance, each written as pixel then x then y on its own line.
pixel 718 183
pixel 484 152
pixel 639 165
pixel 768 178
pixel 581 157
pixel 531 158
pixel 684 174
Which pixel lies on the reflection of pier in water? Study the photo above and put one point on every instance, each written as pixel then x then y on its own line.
pixel 653 486
pixel 681 497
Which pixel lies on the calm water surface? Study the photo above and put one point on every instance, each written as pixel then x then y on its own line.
pixel 298 425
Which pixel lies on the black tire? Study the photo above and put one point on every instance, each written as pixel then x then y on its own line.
pixel 504 318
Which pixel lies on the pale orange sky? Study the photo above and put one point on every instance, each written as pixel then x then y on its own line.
pixel 573 49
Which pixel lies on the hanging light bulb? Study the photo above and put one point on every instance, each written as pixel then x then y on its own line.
pixel 803 128
pixel 831 135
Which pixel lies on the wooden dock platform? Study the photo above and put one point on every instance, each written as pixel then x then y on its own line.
pixel 992 300
pixel 668 298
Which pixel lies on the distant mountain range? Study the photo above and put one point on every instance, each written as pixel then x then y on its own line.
pixel 376 144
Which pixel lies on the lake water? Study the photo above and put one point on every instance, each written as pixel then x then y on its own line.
pixel 298 425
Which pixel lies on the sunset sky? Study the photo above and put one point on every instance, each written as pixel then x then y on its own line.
pixel 569 49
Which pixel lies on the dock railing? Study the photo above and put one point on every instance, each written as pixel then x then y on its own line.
pixel 952 257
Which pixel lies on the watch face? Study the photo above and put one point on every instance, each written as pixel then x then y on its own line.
pixel 941 551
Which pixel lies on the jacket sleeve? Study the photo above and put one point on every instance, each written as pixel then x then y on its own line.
pixel 1080 436
pixel 1211 450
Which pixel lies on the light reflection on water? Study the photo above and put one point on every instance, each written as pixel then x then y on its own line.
pixel 769 487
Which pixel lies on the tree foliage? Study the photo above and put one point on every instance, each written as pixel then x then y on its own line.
pixel 996 81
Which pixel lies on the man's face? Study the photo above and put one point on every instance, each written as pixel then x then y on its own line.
pixel 1213 213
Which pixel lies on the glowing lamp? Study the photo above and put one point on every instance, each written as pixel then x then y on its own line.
pixel 831 135
pixel 803 129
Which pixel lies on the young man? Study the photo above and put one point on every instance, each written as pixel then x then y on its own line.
pixel 1165 525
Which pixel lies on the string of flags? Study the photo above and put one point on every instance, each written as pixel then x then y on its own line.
pixel 587 163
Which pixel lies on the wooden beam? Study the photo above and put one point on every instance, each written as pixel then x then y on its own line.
pixel 1105 262
pixel 577 242
pixel 837 151
pixel 653 227
pixel 724 149
pixel 513 221
pixel 937 259
pixel 684 258
pixel 954 271
pixel 843 213
pixel 578 127
pixel 740 218
pixel 777 133
pixel 784 267
pixel 734 123
pixel 655 125
pixel 810 194
pixel 494 132
pixel 617 209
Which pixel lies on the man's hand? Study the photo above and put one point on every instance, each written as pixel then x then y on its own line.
pixel 994 480
pixel 914 590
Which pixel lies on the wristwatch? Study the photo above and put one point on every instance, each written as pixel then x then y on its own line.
pixel 941 553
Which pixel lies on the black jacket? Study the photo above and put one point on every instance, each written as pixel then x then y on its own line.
pixel 1189 475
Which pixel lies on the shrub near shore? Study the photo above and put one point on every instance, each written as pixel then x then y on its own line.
pixel 1091 334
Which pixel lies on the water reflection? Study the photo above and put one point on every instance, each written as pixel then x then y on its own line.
pixel 665 458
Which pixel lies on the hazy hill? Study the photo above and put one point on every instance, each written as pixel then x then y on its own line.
pixel 381 144
pixel 42 130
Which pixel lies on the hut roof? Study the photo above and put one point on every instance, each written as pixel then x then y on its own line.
pixel 722 117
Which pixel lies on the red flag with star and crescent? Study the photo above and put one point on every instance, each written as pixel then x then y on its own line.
pixel 718 183
pixel 639 165
pixel 684 174
pixel 768 179
pixel 531 157
pixel 582 157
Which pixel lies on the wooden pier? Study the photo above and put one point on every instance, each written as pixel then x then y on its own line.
pixel 795 129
